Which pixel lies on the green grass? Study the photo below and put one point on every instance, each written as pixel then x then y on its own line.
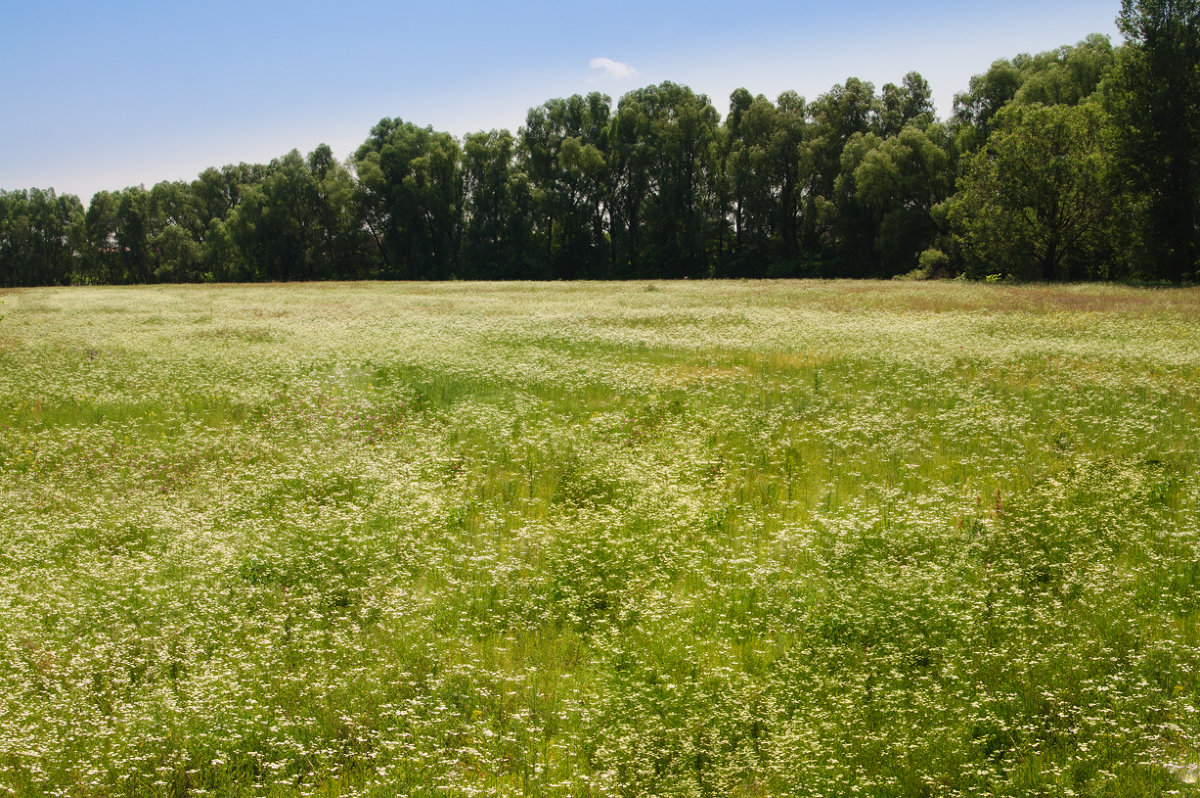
pixel 751 539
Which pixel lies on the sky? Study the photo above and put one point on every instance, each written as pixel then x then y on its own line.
pixel 108 95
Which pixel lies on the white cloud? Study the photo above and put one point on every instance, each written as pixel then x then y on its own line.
pixel 613 69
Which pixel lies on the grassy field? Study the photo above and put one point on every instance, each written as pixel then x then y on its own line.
pixel 670 539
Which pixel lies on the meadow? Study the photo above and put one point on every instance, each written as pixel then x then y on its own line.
pixel 563 539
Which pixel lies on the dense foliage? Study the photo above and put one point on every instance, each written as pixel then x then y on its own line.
pixel 1078 163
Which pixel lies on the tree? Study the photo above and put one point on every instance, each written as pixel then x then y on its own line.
pixel 845 111
pixel 854 225
pixel 39 233
pixel 754 177
pixel 179 255
pixel 136 227
pixel 1066 76
pixel 909 103
pixel 498 208
pixel 791 130
pixel 629 161
pixel 299 224
pixel 837 115
pixel 179 242
pixel 666 175
pixel 338 240
pixel 101 262
pixel 1156 102
pixel 987 94
pixel 1035 201
pixel 410 196
pixel 563 144
pixel 216 192
pixel 887 191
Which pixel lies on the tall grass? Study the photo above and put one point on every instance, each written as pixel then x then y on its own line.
pixel 755 539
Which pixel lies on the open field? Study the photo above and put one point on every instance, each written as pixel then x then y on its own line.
pixel 756 539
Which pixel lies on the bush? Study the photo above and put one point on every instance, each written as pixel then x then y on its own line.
pixel 932 265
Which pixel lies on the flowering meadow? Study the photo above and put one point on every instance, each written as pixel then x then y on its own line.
pixel 562 539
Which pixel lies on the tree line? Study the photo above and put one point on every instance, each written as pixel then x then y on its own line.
pixel 1078 163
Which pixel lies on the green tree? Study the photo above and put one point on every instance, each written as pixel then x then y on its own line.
pixel 886 195
pixel 216 192
pixel 909 103
pixel 219 258
pixel 665 180
pixel 791 130
pixel 1035 202
pixel 178 255
pixel 179 242
pixel 754 176
pixel 101 261
pixel 845 111
pixel 564 145
pixel 299 224
pixel 339 241
pixel 1156 102
pixel 1066 76
pixel 40 232
pixel 410 198
pixel 986 95
pixel 498 212
pixel 136 227
pixel 629 162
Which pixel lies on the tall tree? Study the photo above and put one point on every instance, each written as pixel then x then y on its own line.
pixel 854 223
pixel 1035 201
pixel 179 242
pixel 665 178
pixel 136 227
pixel 411 197
pixel 630 182
pixel 216 192
pixel 339 251
pixel 844 112
pixel 791 130
pixel 101 262
pixel 888 189
pixel 909 103
pixel 754 176
pixel 299 224
pixel 986 95
pixel 498 215
pixel 1156 102
pixel 274 223
pixel 564 144
pixel 39 234
pixel 1066 76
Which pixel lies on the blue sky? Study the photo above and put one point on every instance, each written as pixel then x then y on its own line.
pixel 106 95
